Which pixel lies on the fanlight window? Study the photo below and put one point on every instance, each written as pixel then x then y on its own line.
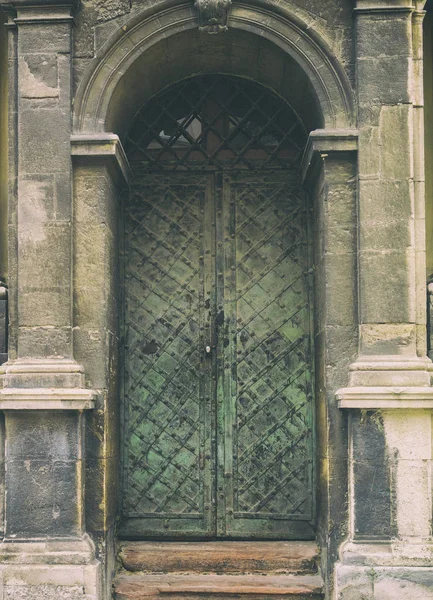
pixel 216 121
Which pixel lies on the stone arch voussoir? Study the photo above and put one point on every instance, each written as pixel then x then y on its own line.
pixel 263 18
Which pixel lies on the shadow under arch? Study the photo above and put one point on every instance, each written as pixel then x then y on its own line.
pixel 266 42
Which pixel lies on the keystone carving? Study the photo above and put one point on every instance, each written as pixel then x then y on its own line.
pixel 213 15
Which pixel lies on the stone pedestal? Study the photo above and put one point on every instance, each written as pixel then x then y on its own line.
pixel 389 553
pixel 45 552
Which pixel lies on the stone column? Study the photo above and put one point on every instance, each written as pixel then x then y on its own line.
pixel 389 397
pixel 46 553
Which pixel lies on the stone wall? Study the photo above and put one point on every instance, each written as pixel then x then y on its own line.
pixel 61 386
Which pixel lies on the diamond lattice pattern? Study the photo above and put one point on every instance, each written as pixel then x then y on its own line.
pixel 216 121
pixel 163 290
pixel 274 401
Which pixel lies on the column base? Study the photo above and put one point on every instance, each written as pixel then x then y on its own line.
pixel 388 382
pixel 383 583
pixel 50 569
pixel 371 371
pixel 385 571
pixel 44 384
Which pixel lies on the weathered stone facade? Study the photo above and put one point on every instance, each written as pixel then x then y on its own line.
pixel 78 73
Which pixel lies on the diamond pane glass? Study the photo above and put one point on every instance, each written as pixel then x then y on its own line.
pixel 216 121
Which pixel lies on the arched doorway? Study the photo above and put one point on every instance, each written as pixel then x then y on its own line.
pixel 218 414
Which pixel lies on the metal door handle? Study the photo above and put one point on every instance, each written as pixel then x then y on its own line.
pixel 208 349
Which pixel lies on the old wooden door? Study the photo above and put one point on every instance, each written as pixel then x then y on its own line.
pixel 218 401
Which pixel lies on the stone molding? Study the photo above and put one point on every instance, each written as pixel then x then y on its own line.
pixel 367 398
pixel 103 147
pixel 44 366
pixel 396 553
pixel 39 12
pixel 42 373
pixel 323 142
pixel 59 551
pixel 278 25
pixel 47 399
pixel 383 6
pixel 40 4
pixel 44 384
pixel 383 382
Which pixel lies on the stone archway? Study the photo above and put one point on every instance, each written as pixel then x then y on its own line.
pixel 153 51
pixel 96 98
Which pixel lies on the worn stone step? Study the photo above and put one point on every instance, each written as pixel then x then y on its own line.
pixel 220 557
pixel 129 586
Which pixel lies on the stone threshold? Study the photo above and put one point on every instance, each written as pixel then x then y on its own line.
pixel 219 570
pixel 133 586
pixel 227 557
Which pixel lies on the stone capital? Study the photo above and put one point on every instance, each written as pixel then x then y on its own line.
pixel 40 11
pixel 383 6
pixel 102 148
pixel 325 142
pixel 42 4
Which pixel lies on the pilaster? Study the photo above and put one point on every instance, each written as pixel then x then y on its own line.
pixel 329 171
pixel 44 395
pixel 389 398
pixel 101 174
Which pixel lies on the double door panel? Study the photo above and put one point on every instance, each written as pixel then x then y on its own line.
pixel 218 408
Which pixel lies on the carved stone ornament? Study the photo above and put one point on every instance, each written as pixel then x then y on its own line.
pixel 213 15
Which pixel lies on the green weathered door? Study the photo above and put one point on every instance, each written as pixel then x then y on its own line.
pixel 218 404
pixel 264 394
pixel 168 399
